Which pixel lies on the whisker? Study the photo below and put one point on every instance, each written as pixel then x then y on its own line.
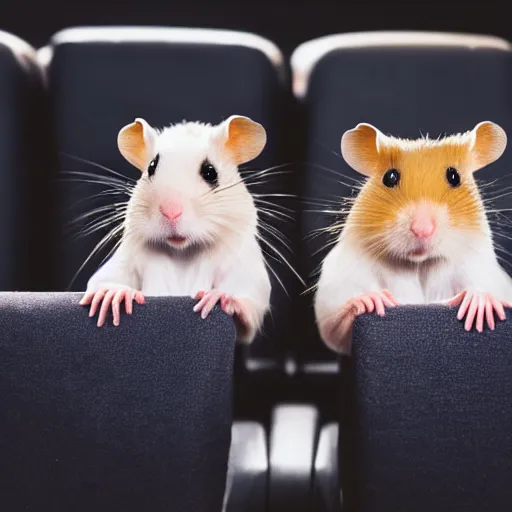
pixel 99 166
pixel 358 183
pixel 276 234
pixel 276 214
pixel 328 202
pixel 283 259
pixel 106 179
pixel 328 212
pixel 102 243
pixel 323 146
pixel 270 203
pixel 112 185
pixel 111 252
pixel 274 273
pixel 101 209
pixel 291 196
pixel 100 224
pixel 328 245
pixel 261 171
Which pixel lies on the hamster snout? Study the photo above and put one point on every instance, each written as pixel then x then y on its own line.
pixel 172 211
pixel 423 223
pixel 417 231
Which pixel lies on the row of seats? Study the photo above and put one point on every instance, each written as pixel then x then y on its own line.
pixel 63 105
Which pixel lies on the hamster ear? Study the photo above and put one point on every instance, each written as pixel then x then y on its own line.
pixel 488 142
pixel 136 142
pixel 360 148
pixel 243 138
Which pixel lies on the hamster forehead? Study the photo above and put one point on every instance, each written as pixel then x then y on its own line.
pixel 422 169
pixel 422 166
pixel 423 156
pixel 186 137
pixel 183 148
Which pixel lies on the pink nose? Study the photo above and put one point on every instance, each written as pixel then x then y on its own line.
pixel 172 211
pixel 423 227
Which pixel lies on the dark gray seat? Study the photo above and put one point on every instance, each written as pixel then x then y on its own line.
pixel 130 418
pixel 23 164
pixel 428 414
pixel 406 84
pixel 101 79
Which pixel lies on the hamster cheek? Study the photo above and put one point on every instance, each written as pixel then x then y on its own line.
pixel 396 233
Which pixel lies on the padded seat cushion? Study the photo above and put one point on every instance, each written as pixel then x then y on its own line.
pixel 131 418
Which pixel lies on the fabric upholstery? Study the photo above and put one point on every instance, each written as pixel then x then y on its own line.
pixel 426 417
pixel 131 418
pixel 405 92
pixel 23 160
pixel 163 82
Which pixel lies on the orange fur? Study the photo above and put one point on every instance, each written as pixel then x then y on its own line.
pixel 132 145
pixel 422 165
pixel 246 139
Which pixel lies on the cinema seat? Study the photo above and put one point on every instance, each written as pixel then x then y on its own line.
pixel 23 160
pixel 424 408
pixel 130 418
pixel 100 79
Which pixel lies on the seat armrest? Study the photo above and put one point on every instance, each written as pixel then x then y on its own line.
pixel 430 411
pixel 293 438
pixel 246 486
pixel 326 492
pixel 135 417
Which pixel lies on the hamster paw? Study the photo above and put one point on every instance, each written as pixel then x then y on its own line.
pixel 229 304
pixel 234 306
pixel 479 307
pixel 335 330
pixel 108 297
pixel 370 302
pixel 207 301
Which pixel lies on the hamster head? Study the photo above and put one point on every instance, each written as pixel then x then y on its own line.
pixel 190 194
pixel 420 201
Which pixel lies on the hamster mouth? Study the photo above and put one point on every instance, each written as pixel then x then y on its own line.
pixel 420 251
pixel 177 241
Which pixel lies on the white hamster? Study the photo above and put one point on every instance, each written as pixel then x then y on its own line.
pixel 417 233
pixel 191 224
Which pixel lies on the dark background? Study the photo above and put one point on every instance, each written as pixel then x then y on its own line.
pixel 286 22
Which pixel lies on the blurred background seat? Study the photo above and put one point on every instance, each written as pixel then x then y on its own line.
pixel 23 165
pixel 303 429
pixel 99 80
pixel 102 78
pixel 407 84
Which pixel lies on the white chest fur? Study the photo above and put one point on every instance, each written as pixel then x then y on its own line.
pixel 421 285
pixel 163 275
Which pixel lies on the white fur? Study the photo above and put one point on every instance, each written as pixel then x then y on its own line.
pixel 347 272
pixel 414 271
pixel 222 251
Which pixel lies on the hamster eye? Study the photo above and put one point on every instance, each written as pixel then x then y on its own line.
pixel 208 173
pixel 152 165
pixel 391 178
pixel 453 177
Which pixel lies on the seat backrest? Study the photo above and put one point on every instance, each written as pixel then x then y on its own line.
pixel 87 426
pixel 406 84
pixel 23 166
pixel 103 78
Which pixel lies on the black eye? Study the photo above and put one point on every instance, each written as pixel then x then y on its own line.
pixel 453 177
pixel 391 178
pixel 208 173
pixel 152 165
